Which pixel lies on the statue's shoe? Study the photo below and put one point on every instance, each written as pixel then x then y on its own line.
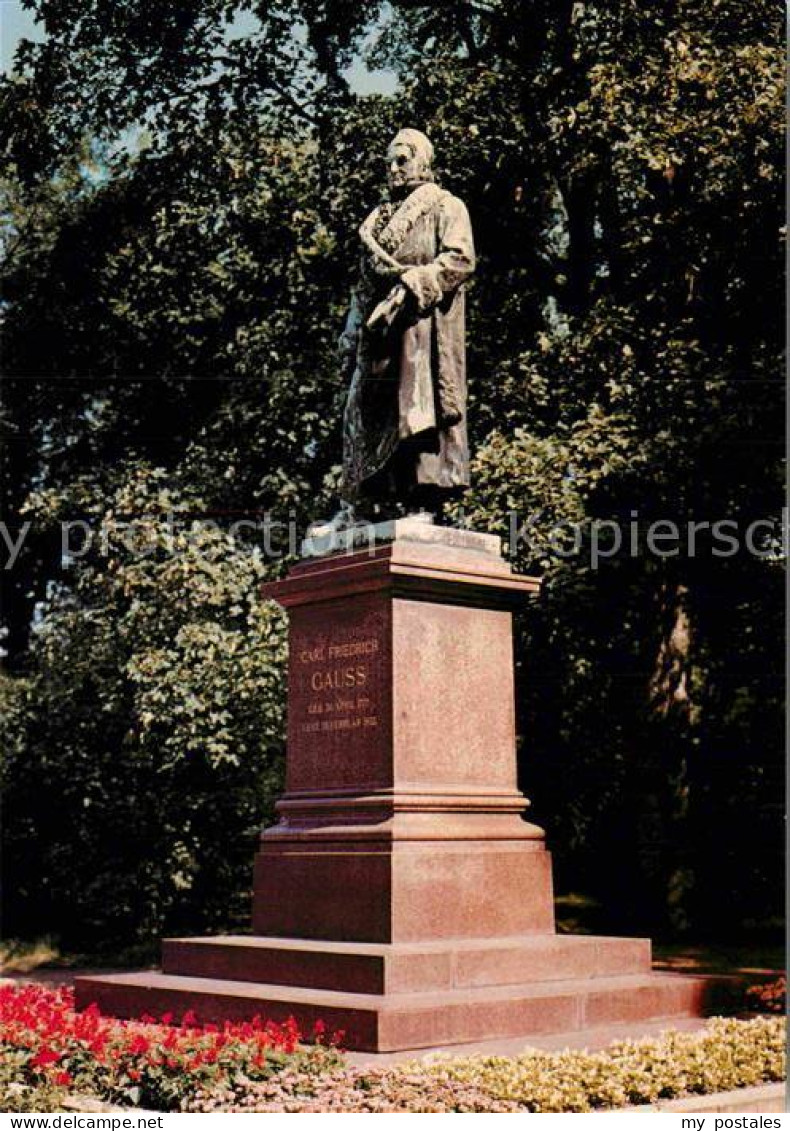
pixel 345 519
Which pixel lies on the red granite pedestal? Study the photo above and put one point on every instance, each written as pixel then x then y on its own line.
pixel 402 897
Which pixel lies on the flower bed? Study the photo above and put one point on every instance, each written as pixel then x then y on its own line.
pixel 727 1054
pixel 47 1050
pixel 768 997
pixel 48 1047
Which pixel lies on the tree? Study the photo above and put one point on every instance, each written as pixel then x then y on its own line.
pixel 648 383
pixel 147 742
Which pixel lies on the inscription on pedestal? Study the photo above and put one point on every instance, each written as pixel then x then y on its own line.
pixel 340 677
pixel 340 694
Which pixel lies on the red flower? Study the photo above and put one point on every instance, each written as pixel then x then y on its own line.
pixel 42 1023
pixel 45 1057
pixel 62 1078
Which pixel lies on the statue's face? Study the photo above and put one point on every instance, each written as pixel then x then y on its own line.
pixel 404 168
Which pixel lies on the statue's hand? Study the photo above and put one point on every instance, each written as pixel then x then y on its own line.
pixel 422 283
pixel 387 310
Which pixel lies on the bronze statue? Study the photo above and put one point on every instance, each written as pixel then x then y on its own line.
pixel 404 428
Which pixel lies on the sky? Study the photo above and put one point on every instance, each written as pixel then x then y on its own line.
pixel 16 23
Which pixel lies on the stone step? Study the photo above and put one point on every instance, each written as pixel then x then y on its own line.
pixel 378 968
pixel 592 1040
pixel 380 1023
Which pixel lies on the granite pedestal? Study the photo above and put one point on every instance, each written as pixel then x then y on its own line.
pixel 401 896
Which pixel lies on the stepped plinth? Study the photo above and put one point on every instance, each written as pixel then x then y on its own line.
pixel 402 896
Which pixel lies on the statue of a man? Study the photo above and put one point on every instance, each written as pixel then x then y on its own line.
pixel 404 428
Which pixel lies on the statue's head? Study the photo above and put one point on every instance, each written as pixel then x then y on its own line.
pixel 409 160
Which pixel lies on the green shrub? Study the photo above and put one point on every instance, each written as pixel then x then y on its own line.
pixel 16 1097
pixel 148 739
pixel 727 1054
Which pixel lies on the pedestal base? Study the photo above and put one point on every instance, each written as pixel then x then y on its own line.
pixel 403 892
pixel 387 998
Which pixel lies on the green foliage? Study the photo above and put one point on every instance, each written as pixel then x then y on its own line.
pixel 152 738
pixel 653 388
pixel 16 1097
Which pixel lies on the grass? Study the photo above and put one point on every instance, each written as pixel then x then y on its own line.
pixel 43 955
pixel 20 957
pixel 750 960
pixel 762 957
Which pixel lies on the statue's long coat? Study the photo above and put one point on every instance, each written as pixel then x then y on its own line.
pixel 409 382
